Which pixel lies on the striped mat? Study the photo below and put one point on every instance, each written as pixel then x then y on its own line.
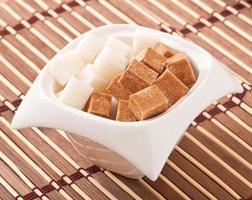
pixel 213 159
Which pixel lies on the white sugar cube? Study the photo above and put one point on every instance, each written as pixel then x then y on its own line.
pixel 143 39
pixel 65 66
pixel 75 93
pixel 97 82
pixel 122 48
pixel 89 47
pixel 128 40
pixel 140 55
pixel 86 73
pixel 108 63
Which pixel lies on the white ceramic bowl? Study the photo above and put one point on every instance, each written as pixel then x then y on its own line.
pixel 136 148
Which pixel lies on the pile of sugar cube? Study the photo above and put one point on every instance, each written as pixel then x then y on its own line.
pixel 115 80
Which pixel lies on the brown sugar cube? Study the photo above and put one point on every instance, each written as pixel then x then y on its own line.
pixel 171 86
pixel 164 50
pixel 180 66
pixel 137 76
pixel 148 103
pixel 116 89
pixel 100 104
pixel 154 60
pixel 123 112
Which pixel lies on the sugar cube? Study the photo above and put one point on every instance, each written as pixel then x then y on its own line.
pixel 123 112
pixel 171 86
pixel 180 66
pixel 100 104
pixel 75 93
pixel 154 60
pixel 116 89
pixel 143 39
pixel 97 82
pixel 137 76
pixel 148 103
pixel 164 50
pixel 123 49
pixel 89 47
pixel 108 63
pixel 65 66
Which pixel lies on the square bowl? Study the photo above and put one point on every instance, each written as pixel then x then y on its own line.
pixel 132 149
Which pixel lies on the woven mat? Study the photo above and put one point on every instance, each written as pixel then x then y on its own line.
pixel 212 161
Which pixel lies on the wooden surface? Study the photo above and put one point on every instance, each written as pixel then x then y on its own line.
pixel 212 161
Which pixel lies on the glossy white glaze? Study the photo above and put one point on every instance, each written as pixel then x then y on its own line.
pixel 146 144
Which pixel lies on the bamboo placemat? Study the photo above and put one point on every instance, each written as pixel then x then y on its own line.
pixel 212 161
